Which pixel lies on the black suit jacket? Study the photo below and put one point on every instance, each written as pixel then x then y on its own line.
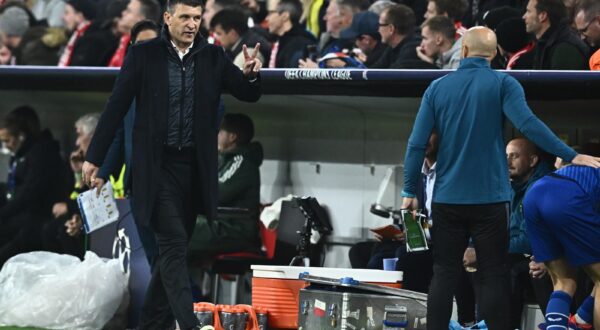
pixel 143 76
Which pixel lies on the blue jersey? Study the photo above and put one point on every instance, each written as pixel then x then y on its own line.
pixel 588 179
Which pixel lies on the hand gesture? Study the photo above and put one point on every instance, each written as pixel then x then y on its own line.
pixel 251 64
pixel 422 56
pixel 586 160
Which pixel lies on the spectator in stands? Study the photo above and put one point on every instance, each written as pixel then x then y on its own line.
pixel 35 44
pixel 212 7
pixel 515 45
pixel 14 22
pixel 471 200
pixel 453 9
pixel 239 187
pixel 491 19
pixel 438 45
pixel 230 28
pixel 314 14
pixel 136 11
pixel 337 18
pixel 562 211
pixel 37 178
pixel 380 5
pixel 90 44
pixel 63 233
pixel 6 57
pixel 587 22
pixel 558 47
pixel 495 16
pixel 50 11
pixel 365 33
pixel 291 39
pixel 397 30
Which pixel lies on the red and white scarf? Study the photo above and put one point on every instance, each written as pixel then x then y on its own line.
pixel 119 56
pixel 65 58
pixel 513 59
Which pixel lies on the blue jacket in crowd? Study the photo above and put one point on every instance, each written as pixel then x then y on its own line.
pixel 468 108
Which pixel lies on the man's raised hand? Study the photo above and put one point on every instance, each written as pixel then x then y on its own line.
pixel 251 64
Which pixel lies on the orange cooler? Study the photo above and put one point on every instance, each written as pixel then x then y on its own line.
pixel 277 288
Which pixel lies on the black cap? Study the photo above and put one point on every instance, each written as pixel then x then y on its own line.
pixel 85 7
pixel 365 22
pixel 493 17
pixel 511 34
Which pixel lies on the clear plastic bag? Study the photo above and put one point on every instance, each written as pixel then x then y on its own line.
pixel 53 291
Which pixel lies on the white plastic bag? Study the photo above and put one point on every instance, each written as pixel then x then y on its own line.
pixel 53 291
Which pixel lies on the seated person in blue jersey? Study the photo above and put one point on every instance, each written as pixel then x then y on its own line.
pixel 239 187
pixel 562 211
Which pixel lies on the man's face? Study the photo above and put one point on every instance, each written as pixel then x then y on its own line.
pixel 276 22
pixel 365 43
pixel 130 16
pixel 183 24
pixel 588 30
pixel 146 35
pixel 225 140
pixel 9 141
pixel 226 38
pixel 431 10
pixel 210 9
pixel 386 29
pixel 71 18
pixel 83 140
pixel 333 21
pixel 520 161
pixel 531 18
pixel 430 44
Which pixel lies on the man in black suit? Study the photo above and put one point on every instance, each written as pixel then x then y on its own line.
pixel 176 80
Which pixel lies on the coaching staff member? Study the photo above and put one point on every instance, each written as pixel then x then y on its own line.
pixel 472 188
pixel 176 80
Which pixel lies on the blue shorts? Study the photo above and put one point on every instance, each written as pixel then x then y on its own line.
pixel 562 221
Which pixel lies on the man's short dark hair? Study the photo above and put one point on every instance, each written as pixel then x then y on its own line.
pixel 172 3
pixel 590 8
pixel 556 10
pixel 22 120
pixel 239 124
pixel 230 18
pixel 455 9
pixel 150 9
pixel 402 18
pixel 293 8
pixel 441 24
pixel 141 26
